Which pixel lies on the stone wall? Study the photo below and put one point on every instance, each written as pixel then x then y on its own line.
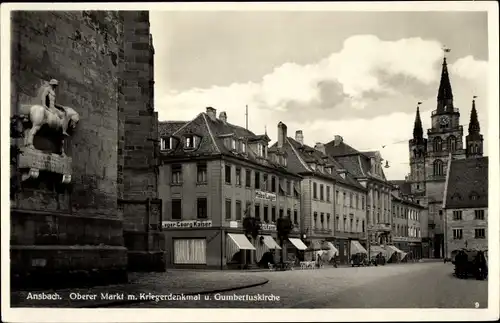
pixel 82 51
pixel 139 145
pixel 468 224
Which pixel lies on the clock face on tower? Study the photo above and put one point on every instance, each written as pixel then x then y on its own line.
pixel 444 120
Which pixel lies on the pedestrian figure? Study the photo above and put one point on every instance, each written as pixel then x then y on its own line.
pixel 480 266
pixel 461 264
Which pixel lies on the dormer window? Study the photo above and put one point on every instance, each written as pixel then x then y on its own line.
pixel 313 166
pixel 233 144
pixel 166 143
pixel 261 152
pixel 243 147
pixel 329 170
pixel 284 161
pixel 191 141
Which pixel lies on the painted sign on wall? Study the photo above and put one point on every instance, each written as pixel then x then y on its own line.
pixel 268 227
pixel 188 224
pixel 265 196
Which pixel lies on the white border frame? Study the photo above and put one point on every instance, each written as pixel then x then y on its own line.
pixel 247 315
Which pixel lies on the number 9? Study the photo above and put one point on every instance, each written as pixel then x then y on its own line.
pixel 476 304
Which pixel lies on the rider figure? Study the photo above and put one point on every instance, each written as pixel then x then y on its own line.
pixel 49 101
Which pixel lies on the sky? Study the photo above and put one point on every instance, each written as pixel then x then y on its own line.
pixel 354 74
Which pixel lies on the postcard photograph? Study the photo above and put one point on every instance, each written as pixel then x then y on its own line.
pixel 236 157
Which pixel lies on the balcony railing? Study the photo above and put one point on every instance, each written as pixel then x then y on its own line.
pixel 446 129
pixel 455 110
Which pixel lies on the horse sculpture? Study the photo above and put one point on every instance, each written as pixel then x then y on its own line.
pixel 40 115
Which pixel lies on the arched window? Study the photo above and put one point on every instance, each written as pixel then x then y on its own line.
pixel 437 144
pixel 438 167
pixel 477 149
pixel 452 143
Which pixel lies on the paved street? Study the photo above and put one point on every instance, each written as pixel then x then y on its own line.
pixel 420 285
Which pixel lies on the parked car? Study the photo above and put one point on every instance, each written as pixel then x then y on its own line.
pixel 471 262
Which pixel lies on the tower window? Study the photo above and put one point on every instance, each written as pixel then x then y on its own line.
pixel 437 144
pixel 452 143
pixel 438 168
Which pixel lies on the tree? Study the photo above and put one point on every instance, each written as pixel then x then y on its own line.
pixel 284 226
pixel 251 227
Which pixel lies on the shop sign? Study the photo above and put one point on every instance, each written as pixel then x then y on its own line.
pixel 188 224
pixel 265 196
pixel 268 227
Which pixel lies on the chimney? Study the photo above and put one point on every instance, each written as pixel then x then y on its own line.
pixel 320 147
pixel 299 137
pixel 211 113
pixel 223 116
pixel 281 134
pixel 338 140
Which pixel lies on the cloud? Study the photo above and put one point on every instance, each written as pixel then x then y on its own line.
pixel 366 92
pixel 468 68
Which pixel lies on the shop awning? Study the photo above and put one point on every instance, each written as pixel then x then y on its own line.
pixel 331 247
pixel 394 249
pixel 356 247
pixel 332 251
pixel 241 241
pixel 375 250
pixel 298 243
pixel 270 242
pixel 315 245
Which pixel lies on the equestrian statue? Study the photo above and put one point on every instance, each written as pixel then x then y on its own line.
pixel 47 112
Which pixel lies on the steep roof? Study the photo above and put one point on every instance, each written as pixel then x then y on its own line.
pixel 341 149
pixel 467 183
pixel 306 154
pixel 403 186
pixel 356 162
pixel 169 127
pixel 212 133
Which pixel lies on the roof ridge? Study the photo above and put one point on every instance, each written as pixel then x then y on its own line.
pixel 210 132
pixel 297 154
pixel 187 124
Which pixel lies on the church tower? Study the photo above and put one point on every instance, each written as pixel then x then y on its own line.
pixel 418 150
pixel 445 141
pixel 474 140
pixel 446 133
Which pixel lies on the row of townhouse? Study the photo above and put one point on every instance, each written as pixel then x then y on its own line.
pixel 214 174
pixel 407 214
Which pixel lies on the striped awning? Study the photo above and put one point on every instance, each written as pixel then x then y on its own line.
pixel 298 243
pixel 356 247
pixel 236 242
pixel 270 242
pixel 241 241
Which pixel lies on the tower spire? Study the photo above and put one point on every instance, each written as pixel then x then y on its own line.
pixel 474 127
pixel 445 94
pixel 474 140
pixel 418 132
